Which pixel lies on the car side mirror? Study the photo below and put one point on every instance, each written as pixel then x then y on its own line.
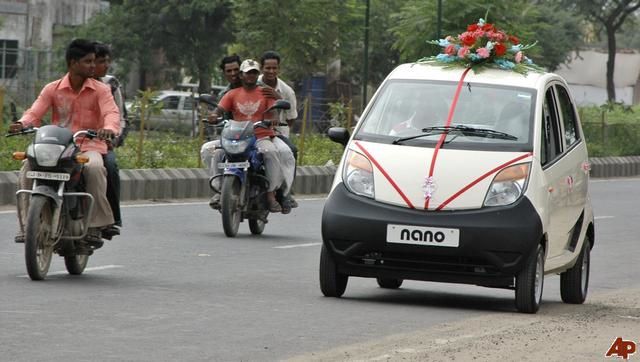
pixel 339 135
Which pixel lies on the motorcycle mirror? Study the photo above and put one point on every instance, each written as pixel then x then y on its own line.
pixel 14 113
pixel 208 99
pixel 280 104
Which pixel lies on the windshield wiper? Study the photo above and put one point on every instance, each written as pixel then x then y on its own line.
pixel 484 132
pixel 426 132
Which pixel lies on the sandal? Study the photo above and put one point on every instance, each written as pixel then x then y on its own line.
pixel 274 206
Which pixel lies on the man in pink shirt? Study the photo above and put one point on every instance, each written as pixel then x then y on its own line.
pixel 79 102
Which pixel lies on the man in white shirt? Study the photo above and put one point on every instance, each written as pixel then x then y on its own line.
pixel 270 68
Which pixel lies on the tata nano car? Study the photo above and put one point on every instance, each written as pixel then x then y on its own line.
pixel 482 181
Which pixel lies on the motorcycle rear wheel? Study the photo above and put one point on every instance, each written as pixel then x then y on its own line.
pixel 75 264
pixel 230 205
pixel 256 226
pixel 38 246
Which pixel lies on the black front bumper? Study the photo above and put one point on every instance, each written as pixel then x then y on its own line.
pixel 494 242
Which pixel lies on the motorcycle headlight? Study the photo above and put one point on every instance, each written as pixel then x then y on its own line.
pixel 358 175
pixel 235 147
pixel 508 185
pixel 47 155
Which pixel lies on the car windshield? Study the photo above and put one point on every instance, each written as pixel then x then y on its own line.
pixel 485 117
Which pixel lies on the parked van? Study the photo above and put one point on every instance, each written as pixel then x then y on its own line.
pixel 487 188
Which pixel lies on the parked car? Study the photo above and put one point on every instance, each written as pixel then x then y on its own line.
pixel 177 110
pixel 498 197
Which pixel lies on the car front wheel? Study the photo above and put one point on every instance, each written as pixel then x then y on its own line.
pixel 332 283
pixel 574 282
pixel 529 283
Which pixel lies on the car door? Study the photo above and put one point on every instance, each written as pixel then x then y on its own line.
pixel 170 105
pixel 186 109
pixel 554 171
pixel 574 159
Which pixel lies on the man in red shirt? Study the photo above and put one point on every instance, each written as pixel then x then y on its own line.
pixel 79 102
pixel 249 103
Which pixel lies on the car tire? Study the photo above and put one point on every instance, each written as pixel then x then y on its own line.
pixel 389 283
pixel 332 283
pixel 574 283
pixel 530 282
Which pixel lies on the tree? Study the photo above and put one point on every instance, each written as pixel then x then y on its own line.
pixel 610 15
pixel 555 30
pixel 187 33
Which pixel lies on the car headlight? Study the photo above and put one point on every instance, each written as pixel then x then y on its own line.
pixel 358 175
pixel 508 185
pixel 47 155
pixel 235 147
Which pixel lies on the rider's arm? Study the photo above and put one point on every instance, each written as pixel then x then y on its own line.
pixel 108 109
pixel 39 108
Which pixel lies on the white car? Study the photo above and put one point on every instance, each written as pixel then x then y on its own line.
pixel 494 193
pixel 177 109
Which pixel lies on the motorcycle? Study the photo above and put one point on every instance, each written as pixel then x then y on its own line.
pixel 59 208
pixel 243 183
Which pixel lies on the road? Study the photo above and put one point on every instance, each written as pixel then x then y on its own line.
pixel 173 287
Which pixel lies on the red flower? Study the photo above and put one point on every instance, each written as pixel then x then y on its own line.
pixel 488 27
pixel 467 39
pixel 514 40
pixel 472 27
pixel 500 49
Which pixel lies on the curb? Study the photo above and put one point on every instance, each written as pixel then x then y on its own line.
pixel 192 183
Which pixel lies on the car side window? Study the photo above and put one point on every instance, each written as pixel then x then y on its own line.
pixel 551 146
pixel 188 104
pixel 171 102
pixel 569 119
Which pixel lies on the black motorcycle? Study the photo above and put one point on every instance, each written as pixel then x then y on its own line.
pixel 59 208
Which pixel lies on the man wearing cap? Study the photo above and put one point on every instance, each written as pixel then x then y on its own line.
pixel 249 103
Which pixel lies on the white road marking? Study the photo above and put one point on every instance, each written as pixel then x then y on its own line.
pixel 8 212
pixel 296 246
pixel 95 268
pixel 603 217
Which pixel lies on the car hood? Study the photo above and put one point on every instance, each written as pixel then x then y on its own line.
pixel 460 178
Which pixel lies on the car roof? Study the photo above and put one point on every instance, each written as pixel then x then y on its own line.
pixel 162 93
pixel 425 71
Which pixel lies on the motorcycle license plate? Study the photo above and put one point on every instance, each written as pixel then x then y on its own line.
pixel 226 165
pixel 48 175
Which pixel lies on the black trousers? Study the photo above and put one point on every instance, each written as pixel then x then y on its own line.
pixel 113 185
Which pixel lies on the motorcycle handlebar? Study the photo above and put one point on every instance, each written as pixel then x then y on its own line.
pixel 22 132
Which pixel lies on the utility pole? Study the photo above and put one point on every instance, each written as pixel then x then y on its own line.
pixel 365 75
pixel 439 22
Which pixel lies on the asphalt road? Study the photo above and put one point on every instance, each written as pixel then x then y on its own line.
pixel 173 287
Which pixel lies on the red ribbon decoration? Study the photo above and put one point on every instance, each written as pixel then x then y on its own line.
pixel 443 136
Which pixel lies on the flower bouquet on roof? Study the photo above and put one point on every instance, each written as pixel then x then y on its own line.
pixel 483 45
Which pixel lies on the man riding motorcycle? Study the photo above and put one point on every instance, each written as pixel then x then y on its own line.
pixel 249 103
pixel 78 102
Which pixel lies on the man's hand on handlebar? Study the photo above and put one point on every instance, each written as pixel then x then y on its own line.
pixel 106 134
pixel 15 127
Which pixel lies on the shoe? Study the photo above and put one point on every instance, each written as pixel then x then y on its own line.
pixel 214 203
pixel 19 238
pixel 292 202
pixel 286 207
pixel 274 206
pixel 109 232
pixel 94 238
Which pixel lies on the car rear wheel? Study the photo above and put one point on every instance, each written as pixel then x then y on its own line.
pixel 389 283
pixel 332 283
pixel 574 282
pixel 529 283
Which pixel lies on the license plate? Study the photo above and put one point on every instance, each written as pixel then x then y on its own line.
pixel 423 235
pixel 48 175
pixel 244 164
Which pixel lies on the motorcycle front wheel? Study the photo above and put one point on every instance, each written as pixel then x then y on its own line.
pixel 230 205
pixel 38 243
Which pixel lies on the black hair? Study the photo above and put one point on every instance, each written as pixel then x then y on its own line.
pixel 230 59
pixel 79 48
pixel 102 49
pixel 270 54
